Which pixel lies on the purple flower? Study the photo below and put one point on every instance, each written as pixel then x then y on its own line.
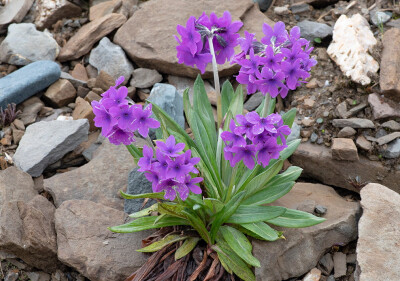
pixel 199 59
pixel 103 118
pixel 272 60
pixel 116 97
pixel 267 151
pixel 246 153
pixel 177 168
pixel 236 139
pixel 270 82
pixel 277 35
pixel 190 35
pixel 191 184
pixel 169 148
pixel 118 136
pixel 191 161
pixel 260 123
pixel 169 185
pixel 147 159
pixel 293 72
pixel 142 121
pixel 123 114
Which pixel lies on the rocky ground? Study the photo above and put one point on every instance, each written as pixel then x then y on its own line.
pixel 59 188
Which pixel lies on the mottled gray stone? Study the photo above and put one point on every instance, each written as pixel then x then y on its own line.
pixel 24 44
pixel 263 4
pixel 393 150
pixel 45 143
pixel 137 184
pixel 379 18
pixel 295 133
pixel 145 78
pixel 111 58
pixel 27 81
pixel 254 101
pixel 311 30
pixel 353 123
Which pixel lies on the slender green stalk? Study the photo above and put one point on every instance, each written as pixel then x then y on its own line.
pixel 216 82
pixel 149 141
pixel 231 184
pixel 266 105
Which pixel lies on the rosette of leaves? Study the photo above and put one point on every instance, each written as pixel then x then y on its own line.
pixel 233 206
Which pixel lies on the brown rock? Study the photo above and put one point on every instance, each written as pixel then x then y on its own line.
pixel 99 180
pixel 104 8
pixel 92 96
pixel 13 11
pixel 391 125
pixel 49 12
pixel 104 81
pixel 341 110
pixel 309 103
pixel 346 132
pixel 313 275
pixel 60 94
pixel 154 48
pixel 378 254
pixel 85 243
pixel 31 108
pixel 303 247
pixel 82 42
pixel 339 264
pixel 363 143
pixel 307 122
pixel 389 79
pixel 388 138
pixel 19 124
pixel 83 110
pixel 82 91
pixel 17 135
pixel 9 180
pixel 91 71
pixel 80 73
pixel 383 107
pixel 312 84
pixel 344 149
pixel 318 164
pixel 6 141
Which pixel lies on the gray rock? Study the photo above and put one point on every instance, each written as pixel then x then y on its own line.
pixel 45 143
pixel 75 82
pixel 182 83
pixel 353 123
pixel 111 58
pixel 300 8
pixel 394 23
pixel 167 97
pixel 11 276
pixel 263 4
pixel 88 153
pixel 326 263
pixel 388 138
pixel 378 254
pixel 393 150
pixel 379 18
pixel 137 183
pixel 13 11
pixel 392 125
pixel 27 81
pixel 295 133
pixel 254 101
pixel 320 210
pixel 24 44
pixel 85 243
pixel 311 30
pixel 339 264
pixel 303 247
pixel 313 137
pixel 145 78
pixel 331 278
pixel 346 132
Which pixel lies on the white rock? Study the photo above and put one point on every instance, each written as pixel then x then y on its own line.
pixel 350 47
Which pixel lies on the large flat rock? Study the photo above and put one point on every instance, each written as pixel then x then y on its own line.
pixel 45 143
pixel 378 244
pixel 27 81
pixel 151 43
pixel 303 248
pixel 99 180
pixel 317 163
pixel 85 243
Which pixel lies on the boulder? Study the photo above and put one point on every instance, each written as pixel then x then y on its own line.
pixel 45 143
pixel 318 164
pixel 82 42
pixel 304 247
pixel 111 59
pixel 85 243
pixel 154 45
pixel 378 256
pixel 24 44
pixel 27 81
pixel 99 181
pixel 14 11
pixel 48 12
pixel 352 43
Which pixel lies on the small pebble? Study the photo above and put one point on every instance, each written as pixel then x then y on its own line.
pixel 321 210
pixel 313 137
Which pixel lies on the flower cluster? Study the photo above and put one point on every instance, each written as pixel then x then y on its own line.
pixel 194 47
pixel 281 61
pixel 254 139
pixel 171 169
pixel 118 119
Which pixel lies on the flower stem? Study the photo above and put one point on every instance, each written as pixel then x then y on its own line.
pixel 267 101
pixel 149 141
pixel 216 81
pixel 231 184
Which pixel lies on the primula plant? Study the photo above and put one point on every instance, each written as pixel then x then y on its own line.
pixel 220 182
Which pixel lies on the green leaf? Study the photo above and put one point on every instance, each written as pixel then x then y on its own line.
pixel 213 204
pixel 233 263
pixel 145 212
pixel 317 40
pixel 269 194
pixel 288 117
pixel 239 244
pixel 157 195
pixel 249 214
pixel 171 209
pixel 236 106
pixel 148 223
pixel 291 174
pixel 198 224
pixel 262 230
pixel 260 181
pixel 186 247
pixel 158 245
pixel 291 147
pixel 227 94
pixel 135 152
pixel 226 212
pixel 296 219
